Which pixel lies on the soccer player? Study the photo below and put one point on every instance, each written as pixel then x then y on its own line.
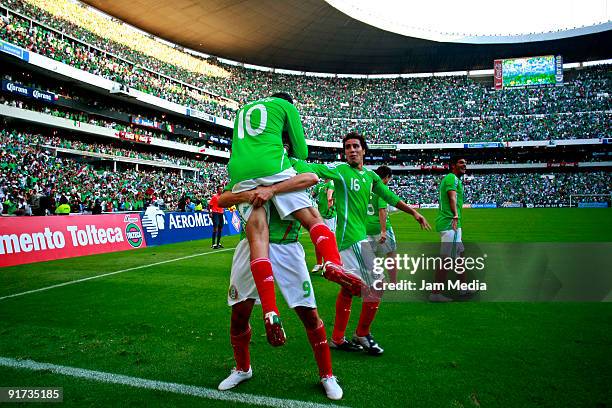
pixel 217 215
pixel 379 229
pixel 449 220
pixel 323 193
pixel 259 157
pixel 287 258
pixel 354 183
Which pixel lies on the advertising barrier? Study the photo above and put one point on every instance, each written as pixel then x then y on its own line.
pixel 430 205
pixel 34 239
pixel 14 50
pixel 484 205
pixel 28 92
pixel 593 205
pixel 167 228
pixel 508 204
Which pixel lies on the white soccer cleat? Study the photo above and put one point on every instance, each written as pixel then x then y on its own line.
pixel 317 268
pixel 235 378
pixel 439 298
pixel 332 388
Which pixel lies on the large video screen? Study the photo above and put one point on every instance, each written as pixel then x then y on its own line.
pixel 531 71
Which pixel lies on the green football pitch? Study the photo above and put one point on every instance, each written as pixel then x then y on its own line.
pixel 168 322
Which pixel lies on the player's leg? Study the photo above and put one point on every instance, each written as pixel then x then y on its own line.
pixel 241 296
pixel 261 268
pixel 294 283
pixel 447 249
pixel 240 337
pixel 344 302
pixel 390 249
pixel 315 329
pixel 362 251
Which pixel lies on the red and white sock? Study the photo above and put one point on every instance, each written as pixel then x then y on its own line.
pixel 320 348
pixel 368 312
pixel 325 243
pixel 240 344
pixel 343 313
pixel 261 268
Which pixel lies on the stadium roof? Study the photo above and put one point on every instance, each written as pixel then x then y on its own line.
pixel 312 35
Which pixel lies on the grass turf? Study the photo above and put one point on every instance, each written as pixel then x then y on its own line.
pixel 170 322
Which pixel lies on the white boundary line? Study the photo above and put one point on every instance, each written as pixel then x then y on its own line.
pixel 183 389
pixel 113 273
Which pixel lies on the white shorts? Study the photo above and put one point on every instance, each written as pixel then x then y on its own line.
pixel 359 258
pixel 285 203
pixel 452 244
pixel 290 273
pixel 331 223
pixel 390 245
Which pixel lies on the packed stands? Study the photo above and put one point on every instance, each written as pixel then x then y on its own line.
pixel 526 188
pixel 29 172
pixel 396 110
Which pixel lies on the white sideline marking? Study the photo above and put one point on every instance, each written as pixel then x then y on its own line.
pixel 183 389
pixel 113 273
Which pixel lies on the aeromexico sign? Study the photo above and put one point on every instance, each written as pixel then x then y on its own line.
pixel 35 239
pixel 28 92
pixel 166 228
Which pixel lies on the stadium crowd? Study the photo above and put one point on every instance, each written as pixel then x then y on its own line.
pixel 436 109
pixel 82 117
pixel 34 181
pixel 525 188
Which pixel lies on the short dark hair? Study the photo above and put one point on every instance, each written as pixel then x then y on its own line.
pixel 283 95
pixel 452 161
pixel 355 135
pixel 383 171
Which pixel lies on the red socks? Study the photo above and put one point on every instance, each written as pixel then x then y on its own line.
pixel 319 257
pixel 261 268
pixel 325 243
pixel 343 313
pixel 240 344
pixel 318 341
pixel 368 312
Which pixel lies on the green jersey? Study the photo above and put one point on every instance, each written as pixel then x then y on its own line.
pixel 450 182
pixel 376 204
pixel 320 190
pixel 257 142
pixel 281 232
pixel 353 188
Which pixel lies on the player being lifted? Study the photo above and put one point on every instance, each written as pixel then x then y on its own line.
pixel 259 158
pixel 354 184
pixel 291 273
pixel 323 193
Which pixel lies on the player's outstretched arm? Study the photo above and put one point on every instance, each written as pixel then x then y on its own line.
pixel 391 198
pixel 417 216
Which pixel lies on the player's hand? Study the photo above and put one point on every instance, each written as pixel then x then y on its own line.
pixel 454 222
pixel 330 203
pixel 383 237
pixel 421 220
pixel 260 195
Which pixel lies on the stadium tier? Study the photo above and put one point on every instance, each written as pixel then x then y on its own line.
pixel 397 110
